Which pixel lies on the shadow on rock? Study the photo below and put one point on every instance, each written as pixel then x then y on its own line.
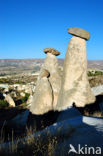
pixel 39 122
pixel 92 109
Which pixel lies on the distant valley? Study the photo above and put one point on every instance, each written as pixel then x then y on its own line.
pixel 10 66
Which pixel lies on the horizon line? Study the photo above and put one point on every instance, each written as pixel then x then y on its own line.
pixel 42 58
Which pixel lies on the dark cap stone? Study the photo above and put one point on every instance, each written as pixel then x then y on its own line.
pixel 52 51
pixel 79 33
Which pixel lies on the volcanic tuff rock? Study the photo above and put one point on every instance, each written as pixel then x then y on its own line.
pixel 42 99
pixel 51 64
pixel 45 73
pixel 48 84
pixel 75 87
pixel 9 99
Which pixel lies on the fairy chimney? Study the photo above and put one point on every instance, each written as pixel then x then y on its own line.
pixel 51 64
pixel 75 86
pixel 42 101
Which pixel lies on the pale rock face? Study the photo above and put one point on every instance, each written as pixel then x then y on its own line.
pixel 45 74
pixel 51 64
pixel 9 99
pixel 29 101
pixel 42 99
pixel 22 94
pixel 75 86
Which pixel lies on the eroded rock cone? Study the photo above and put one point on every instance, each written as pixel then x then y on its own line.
pixel 10 100
pixel 75 86
pixel 42 99
pixel 51 64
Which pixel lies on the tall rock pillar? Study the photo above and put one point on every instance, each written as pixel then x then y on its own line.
pixel 51 64
pixel 75 86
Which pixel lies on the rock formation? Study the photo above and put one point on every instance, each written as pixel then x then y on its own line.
pixel 79 33
pixel 45 73
pixel 9 99
pixel 75 86
pixel 51 64
pixel 29 101
pixel 43 98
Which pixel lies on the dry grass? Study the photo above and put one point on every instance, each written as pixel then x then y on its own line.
pixel 51 146
pixel 95 114
pixel 32 146
pixel 96 80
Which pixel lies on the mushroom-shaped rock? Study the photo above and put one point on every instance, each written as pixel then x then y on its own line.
pixel 42 99
pixel 51 64
pixel 52 51
pixel 75 86
pixel 79 32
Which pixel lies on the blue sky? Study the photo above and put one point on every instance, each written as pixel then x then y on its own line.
pixel 29 26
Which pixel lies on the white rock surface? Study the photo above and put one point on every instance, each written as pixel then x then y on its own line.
pixel 87 133
pixel 28 88
pixel 22 94
pixel 97 90
pixel 51 64
pixel 77 130
pixel 42 100
pixel 75 86
pixel 4 86
pixel 9 99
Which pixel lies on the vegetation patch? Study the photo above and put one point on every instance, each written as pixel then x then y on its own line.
pixel 3 104
pixel 95 73
pixel 25 98
pixel 96 80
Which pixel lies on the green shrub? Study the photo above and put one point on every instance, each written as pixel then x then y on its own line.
pixel 25 98
pixel 2 74
pixel 3 104
pixel 96 73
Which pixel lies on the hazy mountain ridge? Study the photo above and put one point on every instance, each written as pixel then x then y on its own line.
pixel 98 64
pixel 32 65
